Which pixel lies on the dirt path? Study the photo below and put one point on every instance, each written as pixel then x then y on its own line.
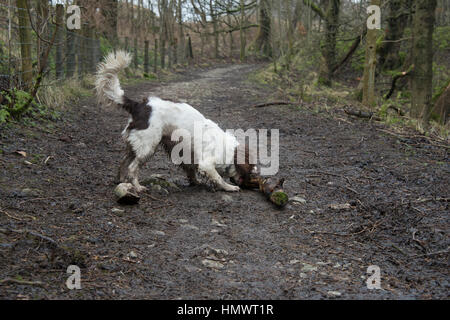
pixel 370 199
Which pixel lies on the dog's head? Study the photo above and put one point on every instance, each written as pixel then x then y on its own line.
pixel 246 175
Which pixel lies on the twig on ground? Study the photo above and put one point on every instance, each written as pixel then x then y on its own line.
pixel 275 103
pixel 9 215
pixel 362 114
pixel 430 254
pixel 23 282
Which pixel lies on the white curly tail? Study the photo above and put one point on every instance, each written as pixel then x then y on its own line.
pixel 107 82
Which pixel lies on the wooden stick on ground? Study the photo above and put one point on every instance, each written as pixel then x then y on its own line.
pixel 275 103
pixel 362 114
pixel 271 188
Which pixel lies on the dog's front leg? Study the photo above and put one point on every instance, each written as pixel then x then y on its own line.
pixel 130 156
pixel 133 172
pixel 214 176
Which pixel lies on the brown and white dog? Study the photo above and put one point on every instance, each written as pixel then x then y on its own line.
pixel 154 121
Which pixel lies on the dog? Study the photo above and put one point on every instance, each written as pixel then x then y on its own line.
pixel 152 122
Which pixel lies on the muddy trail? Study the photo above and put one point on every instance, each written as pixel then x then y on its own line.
pixel 362 197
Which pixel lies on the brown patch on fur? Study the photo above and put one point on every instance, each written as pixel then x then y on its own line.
pixel 247 179
pixel 189 169
pixel 140 113
pixel 129 157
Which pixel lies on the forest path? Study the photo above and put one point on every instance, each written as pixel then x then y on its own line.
pixel 369 199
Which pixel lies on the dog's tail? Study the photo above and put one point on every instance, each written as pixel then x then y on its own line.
pixel 107 82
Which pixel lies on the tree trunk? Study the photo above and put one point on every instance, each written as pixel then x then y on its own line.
pixel 25 44
pixel 241 30
pixel 146 57
pixel 370 64
pixel 42 28
pixel 422 57
pixel 59 68
pixel 262 42
pixel 111 13
pixel 189 52
pixel 329 48
pixel 181 46
pixel 135 54
pixel 442 106
pixel 399 11
pixel 155 57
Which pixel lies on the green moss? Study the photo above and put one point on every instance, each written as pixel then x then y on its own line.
pixel 279 198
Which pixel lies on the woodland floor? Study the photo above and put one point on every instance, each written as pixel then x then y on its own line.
pixel 371 199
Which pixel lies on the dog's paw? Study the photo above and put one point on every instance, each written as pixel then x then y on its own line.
pixel 141 189
pixel 230 188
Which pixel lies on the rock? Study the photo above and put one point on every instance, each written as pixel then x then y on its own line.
pixel 27 192
pixel 218 224
pixel 227 198
pixel 192 268
pixel 334 293
pixel 184 221
pixel 344 206
pixel 159 233
pixel 132 255
pixel 303 275
pixel 189 227
pixel 298 200
pixel 308 267
pixel 212 264
pixel 295 261
pixel 126 193
pixel 116 210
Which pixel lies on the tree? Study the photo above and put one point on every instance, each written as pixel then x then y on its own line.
pixel 25 43
pixel 331 17
pixel 262 43
pixel 422 59
pixel 399 13
pixel 370 65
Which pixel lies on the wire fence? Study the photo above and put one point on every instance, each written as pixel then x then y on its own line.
pixel 73 53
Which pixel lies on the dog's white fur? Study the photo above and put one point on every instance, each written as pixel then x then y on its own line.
pixel 167 116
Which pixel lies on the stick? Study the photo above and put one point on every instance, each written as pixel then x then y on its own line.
pixel 275 103
pixel 24 282
pixel 362 114
pixel 395 78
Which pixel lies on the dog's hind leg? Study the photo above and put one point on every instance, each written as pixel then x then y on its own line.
pixel 190 170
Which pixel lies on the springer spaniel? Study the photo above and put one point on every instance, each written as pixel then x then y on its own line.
pixel 153 122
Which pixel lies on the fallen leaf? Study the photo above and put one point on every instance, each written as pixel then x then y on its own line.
pixel 22 153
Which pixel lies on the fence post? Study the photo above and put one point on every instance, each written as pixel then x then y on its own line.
pixel 189 52
pixel 91 50
pixel 146 57
pixel 155 62
pixel 42 28
pixel 25 44
pixel 71 62
pixel 59 39
pixel 135 57
pixel 175 52
pixel 169 55
pixel 162 48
